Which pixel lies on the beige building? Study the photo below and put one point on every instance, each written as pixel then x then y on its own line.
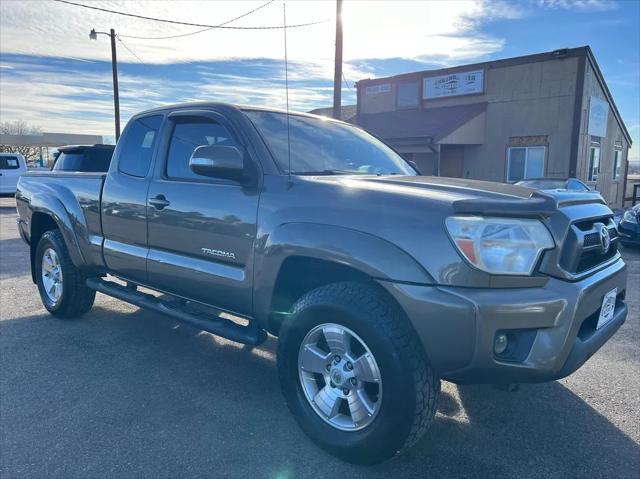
pixel 544 115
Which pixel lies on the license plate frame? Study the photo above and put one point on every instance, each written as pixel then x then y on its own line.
pixel 607 308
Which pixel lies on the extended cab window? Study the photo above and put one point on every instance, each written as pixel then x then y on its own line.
pixel 137 146
pixel 186 137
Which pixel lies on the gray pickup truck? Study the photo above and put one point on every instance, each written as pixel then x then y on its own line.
pixel 378 282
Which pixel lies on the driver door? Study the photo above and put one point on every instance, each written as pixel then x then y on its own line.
pixel 201 230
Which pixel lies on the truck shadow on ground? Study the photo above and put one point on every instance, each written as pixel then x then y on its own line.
pixel 131 394
pixel 12 256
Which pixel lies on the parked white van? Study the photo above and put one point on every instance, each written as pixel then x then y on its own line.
pixel 12 165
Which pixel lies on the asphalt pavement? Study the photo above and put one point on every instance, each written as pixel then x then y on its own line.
pixel 126 393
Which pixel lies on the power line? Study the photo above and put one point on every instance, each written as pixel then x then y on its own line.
pixel 175 22
pixel 204 29
pixel 130 50
pixel 345 81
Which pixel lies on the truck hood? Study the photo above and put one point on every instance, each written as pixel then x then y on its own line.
pixel 470 196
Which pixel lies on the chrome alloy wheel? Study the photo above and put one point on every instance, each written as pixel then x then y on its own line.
pixel 52 275
pixel 340 377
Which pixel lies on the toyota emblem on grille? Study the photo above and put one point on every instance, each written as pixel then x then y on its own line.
pixel 605 239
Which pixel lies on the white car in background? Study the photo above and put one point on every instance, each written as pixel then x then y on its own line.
pixel 12 165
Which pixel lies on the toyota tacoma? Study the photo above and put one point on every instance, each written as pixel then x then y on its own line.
pixel 378 282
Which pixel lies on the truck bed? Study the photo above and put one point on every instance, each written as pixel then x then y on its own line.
pixel 74 200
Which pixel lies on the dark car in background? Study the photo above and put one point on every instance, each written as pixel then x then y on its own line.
pixel 572 184
pixel 629 227
pixel 87 158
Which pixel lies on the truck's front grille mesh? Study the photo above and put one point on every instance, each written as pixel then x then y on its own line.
pixel 593 239
pixel 591 259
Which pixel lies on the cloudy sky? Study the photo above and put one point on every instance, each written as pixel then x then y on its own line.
pixel 53 76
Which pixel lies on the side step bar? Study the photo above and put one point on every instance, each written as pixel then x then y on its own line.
pixel 220 327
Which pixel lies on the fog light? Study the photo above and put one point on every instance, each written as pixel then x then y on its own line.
pixel 500 343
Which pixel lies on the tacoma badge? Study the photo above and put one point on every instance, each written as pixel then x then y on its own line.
pixel 218 253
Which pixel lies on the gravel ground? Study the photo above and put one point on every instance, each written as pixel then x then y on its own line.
pixel 125 393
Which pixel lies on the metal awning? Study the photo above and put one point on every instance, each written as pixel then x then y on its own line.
pixel 426 125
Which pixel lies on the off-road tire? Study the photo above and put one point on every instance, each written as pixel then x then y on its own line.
pixel 410 386
pixel 77 298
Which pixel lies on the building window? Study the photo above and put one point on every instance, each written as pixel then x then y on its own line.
pixel 408 95
pixel 617 166
pixel 594 163
pixel 525 162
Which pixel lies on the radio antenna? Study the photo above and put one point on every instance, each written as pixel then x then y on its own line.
pixel 286 86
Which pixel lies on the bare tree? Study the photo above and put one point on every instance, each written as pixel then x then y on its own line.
pixel 20 127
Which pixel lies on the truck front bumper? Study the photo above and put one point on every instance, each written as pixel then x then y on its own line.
pixel 553 326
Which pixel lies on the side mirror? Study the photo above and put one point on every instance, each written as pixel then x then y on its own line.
pixel 217 161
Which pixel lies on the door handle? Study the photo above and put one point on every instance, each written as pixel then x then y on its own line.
pixel 159 202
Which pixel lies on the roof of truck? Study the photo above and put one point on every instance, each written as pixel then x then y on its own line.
pixel 221 105
pixel 77 147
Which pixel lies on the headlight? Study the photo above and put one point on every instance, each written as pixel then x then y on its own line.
pixel 500 245
pixel 630 216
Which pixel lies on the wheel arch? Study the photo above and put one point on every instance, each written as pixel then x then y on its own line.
pixel 300 257
pixel 46 220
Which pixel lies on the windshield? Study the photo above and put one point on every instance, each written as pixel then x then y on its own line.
pixel 325 147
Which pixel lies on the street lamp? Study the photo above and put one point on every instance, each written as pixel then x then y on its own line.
pixel 93 35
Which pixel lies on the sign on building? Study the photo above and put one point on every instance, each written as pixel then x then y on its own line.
pixel 598 117
pixel 454 84
pixel 376 89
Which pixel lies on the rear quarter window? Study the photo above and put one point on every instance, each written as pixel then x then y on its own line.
pixel 136 150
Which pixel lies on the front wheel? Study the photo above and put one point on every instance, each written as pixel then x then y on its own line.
pixel 353 373
pixel 61 284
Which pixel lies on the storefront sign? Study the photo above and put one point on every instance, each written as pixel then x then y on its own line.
pixel 376 89
pixel 454 84
pixel 598 117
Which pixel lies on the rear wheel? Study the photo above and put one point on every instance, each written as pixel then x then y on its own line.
pixel 354 374
pixel 62 286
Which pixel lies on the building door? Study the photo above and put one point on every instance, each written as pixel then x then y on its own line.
pixel 451 161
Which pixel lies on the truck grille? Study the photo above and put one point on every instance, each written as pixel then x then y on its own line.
pixel 593 258
pixel 593 239
pixel 584 249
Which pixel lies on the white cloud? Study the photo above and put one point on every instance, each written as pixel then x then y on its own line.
pixel 83 102
pixel 581 5
pixel 373 29
pixel 442 32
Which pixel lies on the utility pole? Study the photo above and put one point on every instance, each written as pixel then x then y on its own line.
pixel 116 93
pixel 337 75
pixel 93 35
